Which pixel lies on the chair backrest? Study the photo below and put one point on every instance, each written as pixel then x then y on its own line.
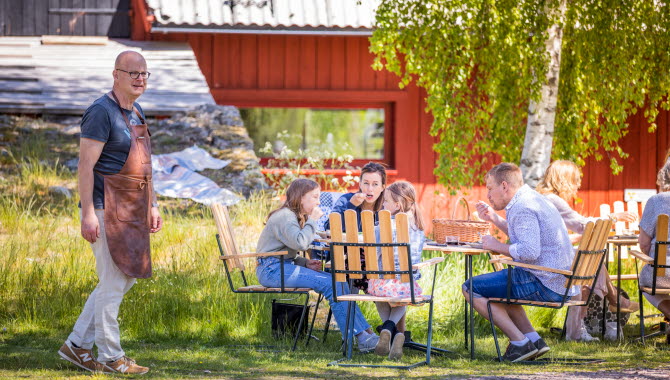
pixel 587 263
pixel 386 237
pixel 661 249
pixel 226 236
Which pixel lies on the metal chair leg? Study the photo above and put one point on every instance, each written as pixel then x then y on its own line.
pixel 430 332
pixel 641 315
pixel 493 329
pixel 311 326
pixel 302 320
pixel 330 316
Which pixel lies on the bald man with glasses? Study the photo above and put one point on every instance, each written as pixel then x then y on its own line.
pixel 118 213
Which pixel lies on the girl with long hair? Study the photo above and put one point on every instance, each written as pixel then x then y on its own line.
pixel 398 197
pixel 292 227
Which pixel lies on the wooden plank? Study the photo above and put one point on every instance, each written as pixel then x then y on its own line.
pixel 662 235
pixel 77 19
pixel 368 228
pixel 367 75
pixel 386 236
pixel 338 250
pixel 77 40
pixel 234 51
pixel 276 64
pixel 248 61
pixel 91 19
pixel 402 236
pixel 41 17
pixel 338 63
pixel 219 56
pixel 353 67
pixel 66 28
pixel 323 54
pixel 264 69
pixel 14 26
pixel 353 252
pixel 54 26
pixel 292 62
pixel 307 62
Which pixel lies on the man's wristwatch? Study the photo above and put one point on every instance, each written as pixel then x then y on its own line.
pixel 154 204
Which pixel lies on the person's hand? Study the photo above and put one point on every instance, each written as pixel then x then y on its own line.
pixel 357 199
pixel 156 220
pixel 90 227
pixel 316 213
pixel 489 242
pixel 625 216
pixel 485 211
pixel 314 265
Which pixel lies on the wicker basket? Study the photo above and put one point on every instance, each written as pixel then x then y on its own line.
pixel 467 231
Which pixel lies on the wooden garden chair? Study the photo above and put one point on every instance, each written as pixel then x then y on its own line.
pixel 584 271
pixel 350 241
pixel 233 260
pixel 658 264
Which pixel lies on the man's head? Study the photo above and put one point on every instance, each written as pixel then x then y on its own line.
pixel 502 182
pixel 128 65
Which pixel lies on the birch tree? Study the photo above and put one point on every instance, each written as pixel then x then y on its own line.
pixel 491 73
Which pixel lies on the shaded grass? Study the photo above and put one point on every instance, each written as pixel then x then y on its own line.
pixel 182 321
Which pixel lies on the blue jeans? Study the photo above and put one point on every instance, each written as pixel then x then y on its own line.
pixel 525 286
pixel 268 272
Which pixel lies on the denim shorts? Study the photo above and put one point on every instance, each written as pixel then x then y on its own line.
pixel 525 286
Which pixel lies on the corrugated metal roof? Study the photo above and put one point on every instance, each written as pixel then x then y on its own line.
pixel 326 16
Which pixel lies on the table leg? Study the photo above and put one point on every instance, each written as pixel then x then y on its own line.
pixel 618 291
pixel 603 322
pixel 465 302
pixel 472 317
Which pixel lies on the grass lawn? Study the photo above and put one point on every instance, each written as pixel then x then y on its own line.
pixel 184 321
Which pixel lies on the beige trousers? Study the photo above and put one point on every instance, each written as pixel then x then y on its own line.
pixel 98 323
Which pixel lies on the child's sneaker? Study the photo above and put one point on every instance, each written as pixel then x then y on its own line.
pixel 126 365
pixel 81 357
pixel 384 344
pixel 396 347
pixel 368 343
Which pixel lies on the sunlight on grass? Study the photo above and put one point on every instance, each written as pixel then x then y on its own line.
pixel 181 320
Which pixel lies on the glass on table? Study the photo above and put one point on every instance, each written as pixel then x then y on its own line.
pixel 451 240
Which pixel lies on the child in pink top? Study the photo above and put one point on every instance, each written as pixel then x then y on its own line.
pixel 398 197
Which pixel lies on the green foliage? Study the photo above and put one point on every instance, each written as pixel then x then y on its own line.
pixel 479 59
pixel 309 162
pixel 358 132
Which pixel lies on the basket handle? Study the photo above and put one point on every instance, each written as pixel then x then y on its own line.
pixel 467 207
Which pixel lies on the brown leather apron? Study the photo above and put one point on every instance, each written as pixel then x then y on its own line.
pixel 128 196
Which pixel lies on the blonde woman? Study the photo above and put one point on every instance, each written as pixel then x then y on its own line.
pixel 560 184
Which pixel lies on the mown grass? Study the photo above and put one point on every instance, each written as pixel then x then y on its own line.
pixel 183 321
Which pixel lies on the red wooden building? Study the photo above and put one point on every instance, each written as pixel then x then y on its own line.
pixel 315 53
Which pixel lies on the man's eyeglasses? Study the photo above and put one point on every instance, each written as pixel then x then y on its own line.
pixel 137 74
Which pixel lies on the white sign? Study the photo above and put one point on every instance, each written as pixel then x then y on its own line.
pixel 638 195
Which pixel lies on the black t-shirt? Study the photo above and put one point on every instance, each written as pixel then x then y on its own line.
pixel 103 122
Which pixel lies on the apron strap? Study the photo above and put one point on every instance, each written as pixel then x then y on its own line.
pixel 125 117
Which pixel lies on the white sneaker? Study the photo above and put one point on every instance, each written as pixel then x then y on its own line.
pixel 610 332
pixel 584 336
pixel 368 343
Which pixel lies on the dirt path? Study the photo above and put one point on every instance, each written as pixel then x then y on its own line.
pixel 628 374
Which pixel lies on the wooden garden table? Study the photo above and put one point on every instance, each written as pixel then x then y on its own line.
pixel 468 251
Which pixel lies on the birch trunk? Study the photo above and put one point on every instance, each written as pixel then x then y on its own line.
pixel 539 138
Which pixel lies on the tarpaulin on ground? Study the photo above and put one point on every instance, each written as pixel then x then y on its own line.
pixel 174 175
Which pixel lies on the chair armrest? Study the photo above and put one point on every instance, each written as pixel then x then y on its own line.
pixel 641 256
pixel 426 263
pixel 257 254
pixel 531 266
